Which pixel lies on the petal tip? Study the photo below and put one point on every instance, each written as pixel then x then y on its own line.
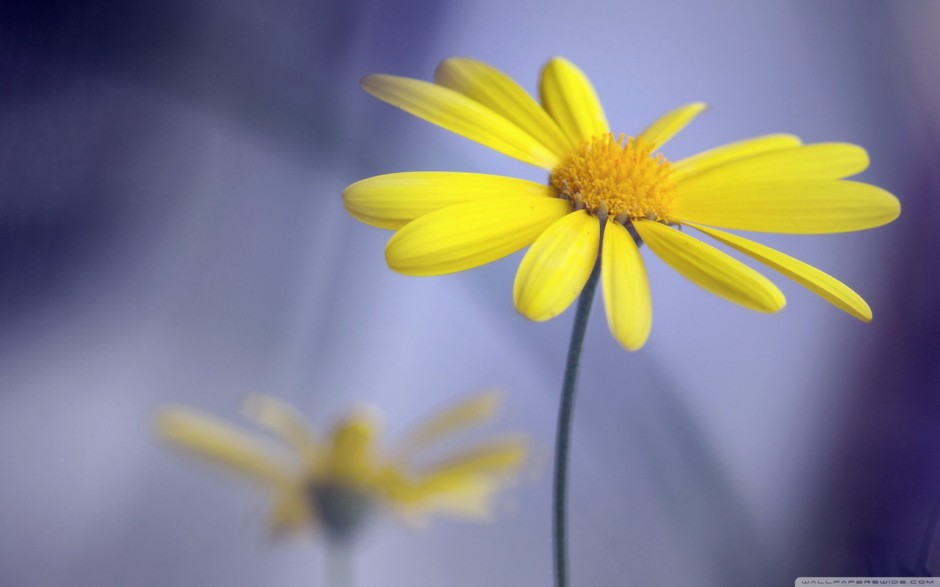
pixel 864 158
pixel 527 313
pixel 349 190
pixel 383 85
pixel 863 313
pixel 441 71
pixel 896 208
pixel 369 81
pixel 632 345
pixel 558 59
pixel 455 60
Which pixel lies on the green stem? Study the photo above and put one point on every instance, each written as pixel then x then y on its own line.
pixel 565 413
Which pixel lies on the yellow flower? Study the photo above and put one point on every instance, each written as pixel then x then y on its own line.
pixel 334 483
pixel 606 193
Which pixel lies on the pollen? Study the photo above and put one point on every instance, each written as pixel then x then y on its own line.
pixel 617 178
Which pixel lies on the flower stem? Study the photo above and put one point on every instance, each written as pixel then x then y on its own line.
pixel 565 413
pixel 340 564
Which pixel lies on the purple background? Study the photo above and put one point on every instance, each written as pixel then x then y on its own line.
pixel 171 230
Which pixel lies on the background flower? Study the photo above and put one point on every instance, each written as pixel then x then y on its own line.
pixel 333 483
pixel 171 231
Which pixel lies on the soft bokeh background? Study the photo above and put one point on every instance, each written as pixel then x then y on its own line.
pixel 171 231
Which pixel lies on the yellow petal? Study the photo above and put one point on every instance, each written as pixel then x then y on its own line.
pixel 394 200
pixel 500 458
pixel 471 500
pixel 221 443
pixel 459 114
pixel 569 97
pixel 626 288
pixel 352 458
pixel 732 152
pixel 793 206
pixel 668 125
pixel 286 422
pixel 708 267
pixel 463 485
pixel 820 283
pixel 471 234
pixel 290 513
pixel 556 267
pixel 465 497
pixel 473 411
pixel 497 91
pixel 818 161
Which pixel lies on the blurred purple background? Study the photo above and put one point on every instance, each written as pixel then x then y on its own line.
pixel 171 230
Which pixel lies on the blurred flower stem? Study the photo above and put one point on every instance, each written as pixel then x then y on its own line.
pixel 340 564
pixel 565 414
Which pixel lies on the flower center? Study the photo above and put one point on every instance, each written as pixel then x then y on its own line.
pixel 339 508
pixel 620 180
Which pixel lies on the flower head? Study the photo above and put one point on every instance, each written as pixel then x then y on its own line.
pixel 606 194
pixel 335 482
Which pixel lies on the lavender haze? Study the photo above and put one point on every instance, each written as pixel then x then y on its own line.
pixel 171 231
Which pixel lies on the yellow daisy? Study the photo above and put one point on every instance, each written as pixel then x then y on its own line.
pixel 334 483
pixel 605 194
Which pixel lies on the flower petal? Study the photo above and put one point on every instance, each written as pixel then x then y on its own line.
pixel 626 288
pixel 668 125
pixel 569 97
pixel 556 267
pixel 708 267
pixel 820 283
pixel 471 234
pixel 818 161
pixel 473 411
pixel 394 200
pixel 415 499
pixel 463 485
pixel 217 441
pixel 284 421
pixel 793 206
pixel 291 513
pixel 496 90
pixel 732 152
pixel 352 456
pixel 494 457
pixel 459 114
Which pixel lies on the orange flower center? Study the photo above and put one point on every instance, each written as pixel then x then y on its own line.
pixel 618 179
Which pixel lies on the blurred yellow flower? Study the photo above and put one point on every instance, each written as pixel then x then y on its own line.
pixel 334 483
pixel 605 194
